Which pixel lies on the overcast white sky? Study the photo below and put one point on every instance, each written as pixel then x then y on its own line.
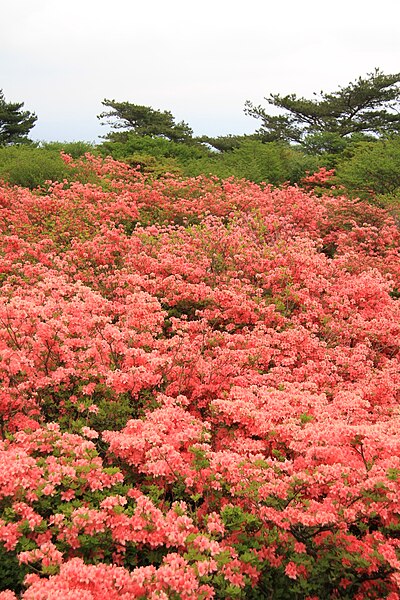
pixel 200 60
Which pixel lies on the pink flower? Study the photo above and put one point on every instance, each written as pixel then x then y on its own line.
pixel 90 433
pixel 291 570
pixel 67 495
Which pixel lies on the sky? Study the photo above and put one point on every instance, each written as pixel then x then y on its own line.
pixel 199 60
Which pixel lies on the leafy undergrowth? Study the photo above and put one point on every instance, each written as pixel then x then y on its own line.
pixel 200 384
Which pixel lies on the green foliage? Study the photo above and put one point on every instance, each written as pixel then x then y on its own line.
pixel 12 573
pixel 74 149
pixel 368 105
pixel 200 458
pixel 154 166
pixel 113 410
pixel 144 121
pixel 371 168
pixel 235 519
pixel 225 143
pixel 248 158
pixel 15 124
pixel 273 162
pixel 128 144
pixel 330 146
pixel 155 156
pixel 31 167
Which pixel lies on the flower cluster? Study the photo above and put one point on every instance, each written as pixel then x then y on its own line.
pixel 200 390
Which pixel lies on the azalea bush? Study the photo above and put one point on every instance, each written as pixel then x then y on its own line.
pixel 200 390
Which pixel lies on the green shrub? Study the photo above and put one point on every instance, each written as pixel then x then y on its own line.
pixel 12 573
pixel 371 168
pixel 247 158
pixel 128 144
pixel 31 167
pixel 271 162
pixel 74 149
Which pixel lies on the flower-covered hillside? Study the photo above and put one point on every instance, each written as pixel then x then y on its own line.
pixel 200 391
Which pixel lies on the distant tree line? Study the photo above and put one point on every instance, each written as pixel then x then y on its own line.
pixel 367 107
pixel 355 129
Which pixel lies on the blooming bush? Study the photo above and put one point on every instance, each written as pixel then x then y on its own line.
pixel 200 391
